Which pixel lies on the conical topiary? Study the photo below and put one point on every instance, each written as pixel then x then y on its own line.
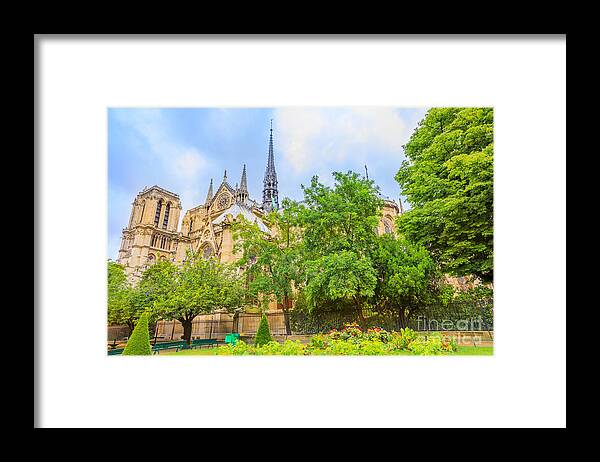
pixel 139 342
pixel 263 334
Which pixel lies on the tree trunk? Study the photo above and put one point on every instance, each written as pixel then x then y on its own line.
pixel 402 318
pixel 236 322
pixel 286 316
pixel 187 330
pixel 361 316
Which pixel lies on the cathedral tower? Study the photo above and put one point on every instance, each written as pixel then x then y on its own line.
pixel 270 193
pixel 151 234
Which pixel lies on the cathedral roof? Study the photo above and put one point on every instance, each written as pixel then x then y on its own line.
pixel 238 209
pixel 158 189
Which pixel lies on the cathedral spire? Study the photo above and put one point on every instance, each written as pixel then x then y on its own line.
pixel 244 181
pixel 210 192
pixel 271 159
pixel 225 176
pixel 241 193
pixel 270 193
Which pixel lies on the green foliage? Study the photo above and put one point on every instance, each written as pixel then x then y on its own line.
pixel 341 218
pixel 273 263
pixel 432 345
pixel 287 348
pixel 350 341
pixel 472 307
pixel 124 302
pixel 139 341
pixel 116 279
pixel 345 277
pixel 401 340
pixel 347 265
pixel 263 334
pixel 157 281
pixel 198 286
pixel 117 293
pixel 448 180
pixel 408 278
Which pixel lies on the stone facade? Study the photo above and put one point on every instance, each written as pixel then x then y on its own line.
pixel 153 232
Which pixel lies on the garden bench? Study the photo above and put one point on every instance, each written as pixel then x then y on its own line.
pixel 115 351
pixel 203 341
pixel 168 345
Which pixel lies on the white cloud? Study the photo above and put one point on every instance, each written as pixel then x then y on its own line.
pixel 188 163
pixel 182 160
pixel 310 137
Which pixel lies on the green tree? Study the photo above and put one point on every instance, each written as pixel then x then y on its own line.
pixel 273 262
pixel 339 226
pixel 139 341
pixel 263 334
pixel 448 180
pixel 341 280
pixel 117 291
pixel 198 286
pixel 408 279
pixel 338 218
pixel 124 306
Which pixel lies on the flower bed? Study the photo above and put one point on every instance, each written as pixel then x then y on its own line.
pixel 351 340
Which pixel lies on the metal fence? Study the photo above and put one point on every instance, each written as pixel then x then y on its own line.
pixel 455 316
pixel 218 326
pixel 117 333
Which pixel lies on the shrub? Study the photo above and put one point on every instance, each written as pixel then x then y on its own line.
pixel 292 347
pixel 351 331
pixel 288 348
pixel 139 341
pixel 402 340
pixel 432 345
pixel 379 334
pixel 351 341
pixel 320 340
pixel 340 347
pixel 242 348
pixel 263 335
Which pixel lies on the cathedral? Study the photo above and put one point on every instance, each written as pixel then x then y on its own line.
pixel 153 231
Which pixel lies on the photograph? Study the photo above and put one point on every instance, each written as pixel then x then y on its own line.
pixel 300 231
pixel 320 232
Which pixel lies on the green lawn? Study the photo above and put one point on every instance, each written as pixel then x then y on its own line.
pixel 475 351
pixel 462 351
pixel 196 352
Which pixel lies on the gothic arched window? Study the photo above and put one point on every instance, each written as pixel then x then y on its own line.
pixel 166 220
pixel 191 225
pixel 207 251
pixel 387 227
pixel 157 215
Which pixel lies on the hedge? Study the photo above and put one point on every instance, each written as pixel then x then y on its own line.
pixel 263 335
pixel 139 342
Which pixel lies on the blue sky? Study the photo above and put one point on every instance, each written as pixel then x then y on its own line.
pixel 181 149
